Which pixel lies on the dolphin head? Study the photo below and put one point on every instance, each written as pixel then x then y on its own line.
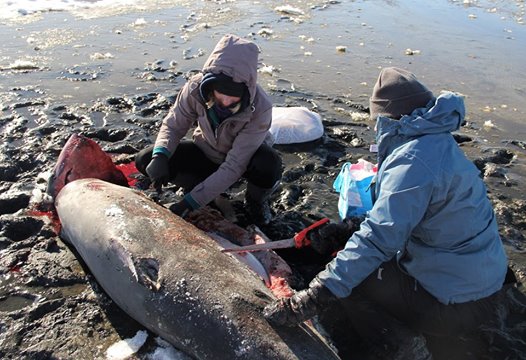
pixel 83 158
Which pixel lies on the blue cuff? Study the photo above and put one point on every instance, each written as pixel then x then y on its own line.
pixel 190 201
pixel 161 150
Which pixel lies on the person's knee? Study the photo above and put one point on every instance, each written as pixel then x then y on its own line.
pixel 265 167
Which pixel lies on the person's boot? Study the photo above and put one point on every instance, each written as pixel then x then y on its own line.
pixel 257 202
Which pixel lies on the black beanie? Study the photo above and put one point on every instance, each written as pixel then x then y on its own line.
pixel 230 88
pixel 223 84
pixel 397 92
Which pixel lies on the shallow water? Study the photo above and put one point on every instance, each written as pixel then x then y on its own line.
pixel 473 47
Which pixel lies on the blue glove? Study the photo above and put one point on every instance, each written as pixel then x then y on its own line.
pixel 158 170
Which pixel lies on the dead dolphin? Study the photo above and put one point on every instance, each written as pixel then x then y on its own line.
pixel 82 158
pixel 172 278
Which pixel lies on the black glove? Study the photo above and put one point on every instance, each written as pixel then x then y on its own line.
pixel 329 238
pixel 181 208
pixel 158 170
pixel 301 306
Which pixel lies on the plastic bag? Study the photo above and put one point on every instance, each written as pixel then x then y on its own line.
pixel 293 125
pixel 353 183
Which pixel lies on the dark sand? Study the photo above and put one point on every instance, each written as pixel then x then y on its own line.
pixel 114 77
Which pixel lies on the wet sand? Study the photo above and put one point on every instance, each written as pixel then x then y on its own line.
pixel 114 77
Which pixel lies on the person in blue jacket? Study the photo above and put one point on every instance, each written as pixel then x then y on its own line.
pixel 428 254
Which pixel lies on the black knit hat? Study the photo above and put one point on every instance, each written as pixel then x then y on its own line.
pixel 397 92
pixel 223 84
pixel 229 87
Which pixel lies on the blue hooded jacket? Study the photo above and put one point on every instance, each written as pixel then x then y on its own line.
pixel 431 211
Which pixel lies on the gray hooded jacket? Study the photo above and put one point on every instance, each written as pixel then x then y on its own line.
pixel 237 138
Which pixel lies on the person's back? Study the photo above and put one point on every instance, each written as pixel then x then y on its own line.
pixel 454 251
pixel 428 258
pixel 453 226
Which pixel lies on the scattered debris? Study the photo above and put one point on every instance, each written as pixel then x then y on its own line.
pixel 288 10
pixel 100 56
pixel 409 51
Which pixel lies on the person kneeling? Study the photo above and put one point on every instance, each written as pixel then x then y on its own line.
pixel 428 255
pixel 232 115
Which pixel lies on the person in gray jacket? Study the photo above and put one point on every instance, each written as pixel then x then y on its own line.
pixel 428 255
pixel 232 115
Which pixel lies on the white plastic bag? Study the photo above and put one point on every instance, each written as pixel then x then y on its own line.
pixel 293 125
pixel 353 183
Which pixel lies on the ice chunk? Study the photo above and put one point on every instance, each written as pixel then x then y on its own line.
pixel 125 348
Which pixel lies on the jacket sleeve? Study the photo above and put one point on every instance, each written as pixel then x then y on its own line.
pixel 176 124
pixel 404 190
pixel 246 143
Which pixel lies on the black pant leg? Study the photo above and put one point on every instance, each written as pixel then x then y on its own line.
pixel 187 164
pixel 189 159
pixel 265 167
pixel 389 293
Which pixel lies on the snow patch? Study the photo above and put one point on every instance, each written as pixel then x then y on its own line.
pixel 125 348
